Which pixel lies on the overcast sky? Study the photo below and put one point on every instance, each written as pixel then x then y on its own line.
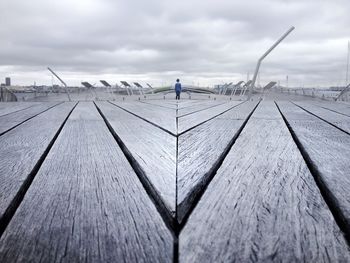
pixel 156 41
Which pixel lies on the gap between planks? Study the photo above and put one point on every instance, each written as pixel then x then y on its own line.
pixel 138 116
pixel 161 106
pixel 18 124
pixel 169 132
pixel 333 111
pixel 326 194
pixel 16 111
pixel 189 129
pixel 171 222
pixel 322 119
pixel 12 208
pixel 208 107
pixel 176 231
pixel 167 217
pixel 216 167
pixel 180 226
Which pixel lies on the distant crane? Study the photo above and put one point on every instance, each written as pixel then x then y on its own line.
pixel 65 85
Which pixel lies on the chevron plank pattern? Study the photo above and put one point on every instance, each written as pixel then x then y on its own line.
pixel 174 181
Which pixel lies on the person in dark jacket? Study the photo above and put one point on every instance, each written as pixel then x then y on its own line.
pixel 177 89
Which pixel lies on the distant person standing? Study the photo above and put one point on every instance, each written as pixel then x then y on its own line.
pixel 177 89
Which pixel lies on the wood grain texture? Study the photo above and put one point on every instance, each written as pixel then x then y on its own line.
pixel 340 107
pixel 263 204
pixel 196 107
pixel 201 149
pixel 10 107
pixel 162 117
pixel 185 104
pixel 189 103
pixel 22 147
pixel 189 121
pixel 9 121
pixel 175 104
pixel 181 104
pixel 86 204
pixel 160 103
pixel 328 148
pixel 153 149
pixel 339 120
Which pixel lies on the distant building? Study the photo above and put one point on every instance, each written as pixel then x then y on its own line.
pixel 8 81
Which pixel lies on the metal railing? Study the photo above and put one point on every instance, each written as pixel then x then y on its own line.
pixel 7 95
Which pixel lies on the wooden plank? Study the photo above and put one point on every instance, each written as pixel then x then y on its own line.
pixel 201 149
pixel 86 204
pixel 12 120
pixel 334 106
pixel 22 147
pixel 10 107
pixel 187 122
pixel 161 117
pixel 328 149
pixel 263 204
pixel 196 107
pixel 153 150
pixel 175 104
pixel 162 103
pixel 185 104
pixel 339 120
pixel 5 105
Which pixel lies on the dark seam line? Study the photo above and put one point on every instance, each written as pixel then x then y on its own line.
pixel 321 119
pixel 156 105
pixel 210 119
pixel 17 200
pixel 156 125
pixel 214 170
pixel 29 119
pixel 176 226
pixel 168 104
pixel 166 215
pixel 332 110
pixel 17 111
pixel 327 195
pixel 212 106
pixel 196 104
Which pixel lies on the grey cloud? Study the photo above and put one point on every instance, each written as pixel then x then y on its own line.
pixel 206 40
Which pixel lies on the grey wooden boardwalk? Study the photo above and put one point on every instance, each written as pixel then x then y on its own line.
pixel 175 181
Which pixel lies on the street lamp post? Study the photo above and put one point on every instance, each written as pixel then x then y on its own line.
pixel 262 58
pixel 65 85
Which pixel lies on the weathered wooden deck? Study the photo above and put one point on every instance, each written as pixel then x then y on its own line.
pixel 168 181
